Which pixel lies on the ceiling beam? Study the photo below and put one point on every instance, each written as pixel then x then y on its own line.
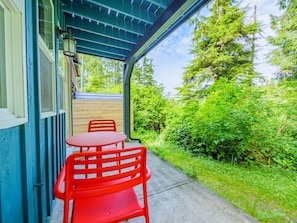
pixel 90 37
pixel 99 53
pixel 100 29
pixel 92 14
pixel 131 10
pixel 160 3
pixel 103 48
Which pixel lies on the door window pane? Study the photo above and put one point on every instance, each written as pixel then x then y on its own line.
pixel 46 83
pixel 3 92
pixel 46 57
pixel 46 28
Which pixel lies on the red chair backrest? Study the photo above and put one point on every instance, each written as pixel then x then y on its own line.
pixel 102 125
pixel 98 173
pixel 94 174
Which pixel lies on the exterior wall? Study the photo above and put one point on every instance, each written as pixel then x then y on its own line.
pixel 11 186
pixel 31 154
pixel 85 110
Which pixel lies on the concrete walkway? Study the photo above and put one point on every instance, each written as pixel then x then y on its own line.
pixel 176 198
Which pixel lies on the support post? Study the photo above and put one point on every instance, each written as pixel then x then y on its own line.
pixel 128 68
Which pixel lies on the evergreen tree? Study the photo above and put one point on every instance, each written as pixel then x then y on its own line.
pixel 143 73
pixel 103 75
pixel 114 70
pixel 285 26
pixel 93 67
pixel 114 75
pixel 149 104
pixel 223 47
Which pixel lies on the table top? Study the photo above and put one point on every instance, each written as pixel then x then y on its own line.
pixel 96 139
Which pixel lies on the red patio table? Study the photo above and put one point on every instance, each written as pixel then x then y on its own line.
pixel 96 139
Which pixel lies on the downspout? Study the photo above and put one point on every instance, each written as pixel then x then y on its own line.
pixel 128 68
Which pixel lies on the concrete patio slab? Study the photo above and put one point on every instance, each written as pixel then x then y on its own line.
pixel 175 197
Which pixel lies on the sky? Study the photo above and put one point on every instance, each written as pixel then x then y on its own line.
pixel 172 55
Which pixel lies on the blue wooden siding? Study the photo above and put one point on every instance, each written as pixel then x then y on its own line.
pixel 28 171
pixel 11 189
pixel 32 154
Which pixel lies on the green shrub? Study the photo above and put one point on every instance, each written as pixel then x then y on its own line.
pixel 150 107
pixel 236 124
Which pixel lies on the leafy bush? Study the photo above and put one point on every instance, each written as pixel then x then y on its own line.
pixel 283 100
pixel 237 124
pixel 150 107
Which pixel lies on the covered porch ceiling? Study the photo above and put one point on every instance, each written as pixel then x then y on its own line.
pixel 124 29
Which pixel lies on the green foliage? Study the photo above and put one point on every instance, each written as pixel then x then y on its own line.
pixel 101 75
pixel 232 120
pixel 94 69
pixel 150 106
pixel 223 47
pixel 285 42
pixel 268 194
pixel 144 74
pixel 283 100
pixel 239 124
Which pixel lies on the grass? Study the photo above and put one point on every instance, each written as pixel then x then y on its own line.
pixel 268 194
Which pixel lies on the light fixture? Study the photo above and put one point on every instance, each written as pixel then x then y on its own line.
pixel 69 43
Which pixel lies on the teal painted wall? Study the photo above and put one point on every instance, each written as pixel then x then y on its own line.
pixel 31 155
pixel 10 178
pixel 24 165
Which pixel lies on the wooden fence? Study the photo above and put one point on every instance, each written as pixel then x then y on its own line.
pixel 98 108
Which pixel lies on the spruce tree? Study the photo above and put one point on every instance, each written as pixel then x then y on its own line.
pixel 285 41
pixel 222 47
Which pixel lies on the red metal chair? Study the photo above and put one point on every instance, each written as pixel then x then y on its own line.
pixel 103 125
pixel 101 185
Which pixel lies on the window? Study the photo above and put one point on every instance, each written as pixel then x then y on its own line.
pixel 47 81
pixel 13 94
pixel 46 59
pixel 46 28
pixel 3 101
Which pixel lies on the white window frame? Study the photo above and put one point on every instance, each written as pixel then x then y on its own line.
pixel 50 55
pixel 16 112
pixel 63 83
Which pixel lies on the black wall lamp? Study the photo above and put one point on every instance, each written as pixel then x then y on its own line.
pixel 69 43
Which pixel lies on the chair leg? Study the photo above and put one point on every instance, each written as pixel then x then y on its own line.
pixel 66 211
